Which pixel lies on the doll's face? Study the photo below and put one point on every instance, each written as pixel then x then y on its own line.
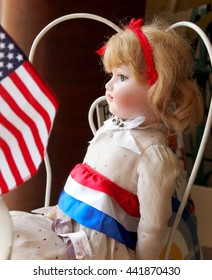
pixel 126 97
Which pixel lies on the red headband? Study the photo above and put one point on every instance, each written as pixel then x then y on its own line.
pixel 135 26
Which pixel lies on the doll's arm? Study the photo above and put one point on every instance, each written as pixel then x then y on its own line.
pixel 158 171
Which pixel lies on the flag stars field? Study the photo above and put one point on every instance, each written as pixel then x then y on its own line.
pixel 10 57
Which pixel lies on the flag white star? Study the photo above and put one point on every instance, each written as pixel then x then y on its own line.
pixel 9 66
pixel 1 64
pixel 2 36
pixel 2 45
pixel 19 57
pixel 11 46
pixel 10 55
pixel 1 54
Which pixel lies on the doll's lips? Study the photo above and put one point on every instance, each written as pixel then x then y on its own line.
pixel 109 97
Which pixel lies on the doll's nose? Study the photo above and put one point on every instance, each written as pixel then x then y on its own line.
pixel 108 85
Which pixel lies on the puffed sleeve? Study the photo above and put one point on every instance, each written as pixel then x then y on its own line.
pixel 157 173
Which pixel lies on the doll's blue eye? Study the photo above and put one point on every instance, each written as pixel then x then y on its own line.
pixel 123 78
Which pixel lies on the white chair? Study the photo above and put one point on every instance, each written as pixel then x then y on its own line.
pixel 205 136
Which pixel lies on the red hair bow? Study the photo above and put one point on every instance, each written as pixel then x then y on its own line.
pixel 151 73
pixel 135 26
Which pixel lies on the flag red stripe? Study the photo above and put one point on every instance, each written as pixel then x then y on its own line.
pixel 23 147
pixel 13 105
pixel 9 157
pixel 3 185
pixel 30 98
pixel 43 86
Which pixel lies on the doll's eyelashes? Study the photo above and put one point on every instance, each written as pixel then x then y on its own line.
pixel 122 78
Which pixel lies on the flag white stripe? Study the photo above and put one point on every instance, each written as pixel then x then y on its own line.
pixel 100 201
pixel 6 172
pixel 16 151
pixel 8 113
pixel 37 93
pixel 25 106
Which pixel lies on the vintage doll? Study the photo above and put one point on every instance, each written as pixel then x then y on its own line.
pixel 117 203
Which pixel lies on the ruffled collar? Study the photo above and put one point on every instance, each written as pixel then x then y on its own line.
pixel 121 130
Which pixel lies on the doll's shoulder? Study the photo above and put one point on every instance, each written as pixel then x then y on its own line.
pixel 151 136
pixel 155 148
pixel 157 157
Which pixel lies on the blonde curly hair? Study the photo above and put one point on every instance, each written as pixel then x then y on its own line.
pixel 174 97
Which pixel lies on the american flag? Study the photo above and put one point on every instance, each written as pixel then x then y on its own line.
pixel 27 111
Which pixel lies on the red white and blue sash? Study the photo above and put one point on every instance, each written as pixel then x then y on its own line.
pixel 97 203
